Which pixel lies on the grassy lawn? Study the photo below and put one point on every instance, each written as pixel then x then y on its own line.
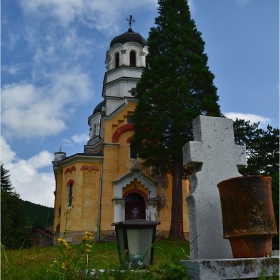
pixel 60 262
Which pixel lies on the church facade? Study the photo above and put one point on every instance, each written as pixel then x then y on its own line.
pixel 107 183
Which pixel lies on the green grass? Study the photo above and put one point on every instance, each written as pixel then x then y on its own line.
pixel 38 263
pixel 63 262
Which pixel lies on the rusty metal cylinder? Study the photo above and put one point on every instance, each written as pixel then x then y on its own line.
pixel 248 215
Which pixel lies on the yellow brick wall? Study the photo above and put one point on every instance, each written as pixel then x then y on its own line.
pixel 116 163
pixel 83 215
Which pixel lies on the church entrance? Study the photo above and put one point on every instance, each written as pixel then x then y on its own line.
pixel 135 207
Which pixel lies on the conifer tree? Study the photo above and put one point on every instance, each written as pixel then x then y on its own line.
pixel 175 88
pixel 12 231
pixel 6 184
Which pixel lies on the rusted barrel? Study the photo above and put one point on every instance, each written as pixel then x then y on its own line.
pixel 248 215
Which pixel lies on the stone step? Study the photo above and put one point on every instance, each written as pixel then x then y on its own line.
pixel 109 239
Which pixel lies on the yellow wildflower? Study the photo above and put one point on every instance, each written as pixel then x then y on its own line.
pixel 65 244
pixel 61 240
pixel 88 233
pixel 64 265
pixel 86 237
pixel 88 250
pixel 88 245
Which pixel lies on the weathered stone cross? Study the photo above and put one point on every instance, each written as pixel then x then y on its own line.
pixel 135 212
pixel 215 157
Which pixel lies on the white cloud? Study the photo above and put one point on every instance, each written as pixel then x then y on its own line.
pixel 11 69
pixel 101 15
pixel 41 105
pixel 30 111
pixel 191 5
pixel 249 117
pixel 29 183
pixel 27 112
pixel 76 139
pixel 41 160
pixel 7 155
pixel 67 143
pixel 80 138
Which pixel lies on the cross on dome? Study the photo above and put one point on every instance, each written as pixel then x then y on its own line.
pixel 130 20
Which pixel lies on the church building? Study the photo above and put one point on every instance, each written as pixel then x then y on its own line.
pixel 107 182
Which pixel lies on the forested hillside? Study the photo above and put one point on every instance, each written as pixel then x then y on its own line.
pixel 37 215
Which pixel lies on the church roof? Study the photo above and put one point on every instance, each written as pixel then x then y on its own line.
pixel 98 108
pixel 129 36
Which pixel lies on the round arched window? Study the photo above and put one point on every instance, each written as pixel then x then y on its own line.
pixel 117 60
pixel 132 58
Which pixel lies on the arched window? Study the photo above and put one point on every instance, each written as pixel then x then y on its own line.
pixel 70 193
pixel 57 230
pixel 132 58
pixel 117 60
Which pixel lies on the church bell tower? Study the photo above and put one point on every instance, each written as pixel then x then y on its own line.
pixel 125 61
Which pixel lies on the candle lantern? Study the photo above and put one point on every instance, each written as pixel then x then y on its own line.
pixel 135 239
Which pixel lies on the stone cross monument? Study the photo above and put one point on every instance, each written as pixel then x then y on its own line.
pixel 215 157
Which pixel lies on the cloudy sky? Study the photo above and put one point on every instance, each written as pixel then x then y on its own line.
pixel 53 55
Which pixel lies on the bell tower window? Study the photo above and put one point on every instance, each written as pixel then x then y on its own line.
pixel 132 58
pixel 117 60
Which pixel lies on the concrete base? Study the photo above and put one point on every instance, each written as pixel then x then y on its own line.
pixel 241 268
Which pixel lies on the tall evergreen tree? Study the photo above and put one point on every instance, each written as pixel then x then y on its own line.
pixel 13 232
pixel 175 88
pixel 6 184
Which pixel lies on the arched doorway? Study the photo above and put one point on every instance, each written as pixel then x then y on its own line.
pixel 135 207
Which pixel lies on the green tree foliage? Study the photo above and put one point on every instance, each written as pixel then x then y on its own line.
pixel 13 232
pixel 6 184
pixel 262 147
pixel 37 215
pixel 175 88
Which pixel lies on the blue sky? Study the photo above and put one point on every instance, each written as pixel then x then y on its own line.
pixel 53 55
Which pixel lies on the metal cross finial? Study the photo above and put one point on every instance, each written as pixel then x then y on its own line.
pixel 130 21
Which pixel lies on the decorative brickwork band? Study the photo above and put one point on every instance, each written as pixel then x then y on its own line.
pixel 71 181
pixel 145 196
pixel 69 170
pixel 89 168
pixel 120 130
pixel 129 139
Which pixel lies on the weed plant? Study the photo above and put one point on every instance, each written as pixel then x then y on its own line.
pixel 97 261
pixel 84 261
pixel 93 260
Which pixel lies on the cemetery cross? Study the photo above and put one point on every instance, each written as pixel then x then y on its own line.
pixel 215 157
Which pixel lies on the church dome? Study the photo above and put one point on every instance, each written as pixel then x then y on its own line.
pixel 129 36
pixel 98 108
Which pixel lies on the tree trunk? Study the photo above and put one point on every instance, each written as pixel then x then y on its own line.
pixel 176 227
